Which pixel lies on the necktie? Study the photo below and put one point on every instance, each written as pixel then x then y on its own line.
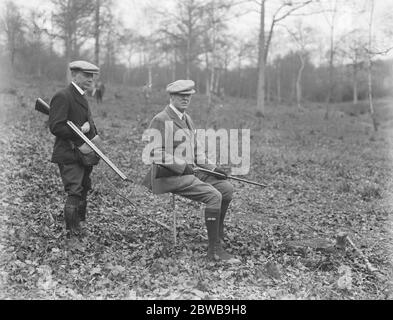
pixel 184 119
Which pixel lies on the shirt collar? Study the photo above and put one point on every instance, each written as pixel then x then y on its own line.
pixel 178 113
pixel 78 88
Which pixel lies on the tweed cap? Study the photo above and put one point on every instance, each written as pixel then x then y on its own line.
pixel 84 66
pixel 181 87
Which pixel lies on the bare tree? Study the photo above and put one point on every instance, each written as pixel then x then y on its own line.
pixel 97 32
pixel 151 55
pixel 215 39
pixel 37 31
pixel 352 47
pixel 12 25
pixel 277 68
pixel 73 20
pixel 244 52
pixel 102 13
pixel 330 14
pixel 369 64
pixel 111 35
pixel 284 10
pixel 185 27
pixel 303 37
pixel 128 40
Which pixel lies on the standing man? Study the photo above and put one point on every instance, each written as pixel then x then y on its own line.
pixel 99 91
pixel 172 172
pixel 146 92
pixel 71 104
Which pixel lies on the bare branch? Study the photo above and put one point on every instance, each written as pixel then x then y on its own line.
pixel 375 52
pixel 289 12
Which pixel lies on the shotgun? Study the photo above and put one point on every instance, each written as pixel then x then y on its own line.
pixel 43 107
pixel 163 172
pixel 220 175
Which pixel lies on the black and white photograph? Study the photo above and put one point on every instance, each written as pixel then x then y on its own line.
pixel 213 153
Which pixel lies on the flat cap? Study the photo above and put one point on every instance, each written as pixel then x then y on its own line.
pixel 181 87
pixel 84 66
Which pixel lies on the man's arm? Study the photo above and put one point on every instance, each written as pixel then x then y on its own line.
pixel 58 116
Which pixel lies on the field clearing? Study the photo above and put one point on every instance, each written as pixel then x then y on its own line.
pixel 324 176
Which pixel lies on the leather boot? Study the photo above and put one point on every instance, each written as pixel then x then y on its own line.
pixel 224 208
pixel 83 205
pixel 215 250
pixel 71 215
pixel 82 210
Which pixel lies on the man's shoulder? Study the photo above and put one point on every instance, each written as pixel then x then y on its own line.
pixel 61 96
pixel 64 92
pixel 162 116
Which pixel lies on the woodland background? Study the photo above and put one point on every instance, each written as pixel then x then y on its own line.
pixel 319 106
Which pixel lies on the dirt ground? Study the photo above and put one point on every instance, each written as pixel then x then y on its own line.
pixel 325 178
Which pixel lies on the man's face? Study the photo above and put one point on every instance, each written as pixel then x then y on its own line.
pixel 83 79
pixel 181 101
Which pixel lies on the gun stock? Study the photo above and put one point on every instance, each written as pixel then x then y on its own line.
pixel 42 106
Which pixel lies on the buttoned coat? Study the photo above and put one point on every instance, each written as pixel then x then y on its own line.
pixel 68 104
pixel 166 153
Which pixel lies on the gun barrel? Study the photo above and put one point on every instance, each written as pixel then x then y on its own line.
pixel 217 174
pixel 98 151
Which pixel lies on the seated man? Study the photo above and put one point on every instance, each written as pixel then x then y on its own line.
pixel 173 171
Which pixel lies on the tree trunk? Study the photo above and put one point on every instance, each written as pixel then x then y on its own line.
pixel 299 82
pixel 261 62
pixel 189 39
pixel 355 84
pixel 292 97
pixel 97 34
pixel 217 82
pixel 239 74
pixel 331 60
pixel 13 51
pixel 188 72
pixel 174 64
pixel 68 58
pixel 278 79
pixel 149 74
pixel 68 42
pixel 268 88
pixel 369 69
pixel 208 84
pixel 370 95
pixel 330 85
pixel 212 79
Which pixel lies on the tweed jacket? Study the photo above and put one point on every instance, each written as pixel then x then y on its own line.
pixel 68 104
pixel 167 123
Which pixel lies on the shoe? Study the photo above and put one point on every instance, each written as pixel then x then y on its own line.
pixel 71 218
pixel 217 253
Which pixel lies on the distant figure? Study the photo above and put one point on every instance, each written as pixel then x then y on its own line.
pixel 146 92
pixel 99 91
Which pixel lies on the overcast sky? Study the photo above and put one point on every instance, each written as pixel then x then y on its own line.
pixel 131 12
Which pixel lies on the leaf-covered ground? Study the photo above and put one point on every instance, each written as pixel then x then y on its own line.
pixel 325 177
